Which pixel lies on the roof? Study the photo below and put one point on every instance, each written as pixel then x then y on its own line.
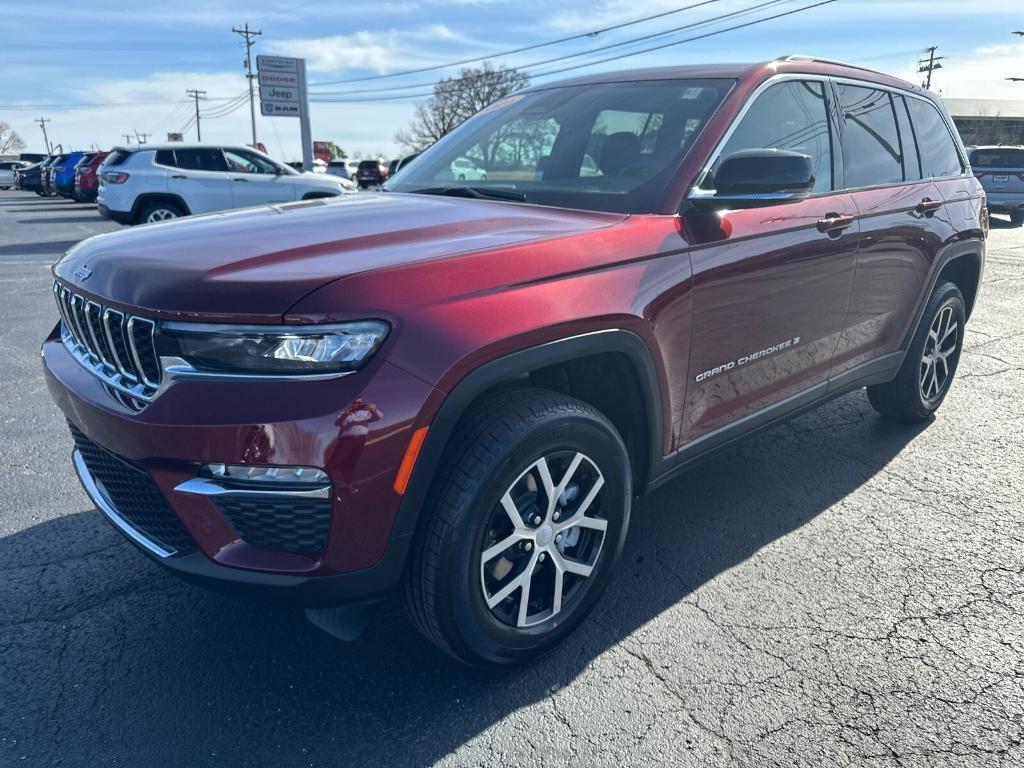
pixel 738 71
pixel 181 145
pixel 985 107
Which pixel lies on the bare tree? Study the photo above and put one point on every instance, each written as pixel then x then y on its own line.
pixel 457 98
pixel 10 142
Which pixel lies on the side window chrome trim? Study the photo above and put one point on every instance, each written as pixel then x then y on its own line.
pixel 943 114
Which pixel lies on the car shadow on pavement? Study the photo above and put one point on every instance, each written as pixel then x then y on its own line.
pixel 59 219
pixel 106 656
pixel 27 249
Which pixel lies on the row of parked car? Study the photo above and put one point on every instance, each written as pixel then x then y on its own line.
pixel 134 185
pixel 72 174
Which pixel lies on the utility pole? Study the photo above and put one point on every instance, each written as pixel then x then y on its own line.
pixel 42 124
pixel 196 94
pixel 249 34
pixel 929 65
pixel 141 137
pixel 127 138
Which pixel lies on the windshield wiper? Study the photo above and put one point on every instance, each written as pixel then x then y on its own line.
pixel 479 193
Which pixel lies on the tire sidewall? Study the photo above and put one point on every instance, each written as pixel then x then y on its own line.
pixel 948 295
pixel 478 633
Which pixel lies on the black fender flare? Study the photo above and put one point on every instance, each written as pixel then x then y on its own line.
pixel 959 250
pixel 507 367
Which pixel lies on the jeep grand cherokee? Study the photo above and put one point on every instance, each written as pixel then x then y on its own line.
pixel 457 389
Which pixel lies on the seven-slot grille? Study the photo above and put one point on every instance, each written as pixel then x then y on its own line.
pixel 116 348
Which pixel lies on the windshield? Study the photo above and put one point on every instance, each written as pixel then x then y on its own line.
pixel 603 147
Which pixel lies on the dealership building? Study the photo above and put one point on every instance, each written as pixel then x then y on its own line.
pixel 988 121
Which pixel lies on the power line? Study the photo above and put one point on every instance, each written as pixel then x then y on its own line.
pixel 248 34
pixel 592 33
pixel 633 41
pixel 610 58
pixel 195 94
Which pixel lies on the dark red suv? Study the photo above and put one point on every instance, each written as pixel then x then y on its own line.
pixel 456 389
pixel 86 181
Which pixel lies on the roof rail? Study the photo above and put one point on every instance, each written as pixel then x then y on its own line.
pixel 820 60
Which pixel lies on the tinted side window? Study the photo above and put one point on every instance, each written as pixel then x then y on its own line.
pixel 117 157
pixel 201 159
pixel 911 156
pixel 871 143
pixel 165 157
pixel 939 156
pixel 790 115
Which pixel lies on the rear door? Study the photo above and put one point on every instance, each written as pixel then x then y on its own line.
pixel 199 176
pixel 771 284
pixel 255 180
pixel 904 214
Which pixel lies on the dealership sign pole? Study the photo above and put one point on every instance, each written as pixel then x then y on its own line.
pixel 283 94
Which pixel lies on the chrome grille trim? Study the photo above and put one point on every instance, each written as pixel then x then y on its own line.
pixel 116 359
pixel 110 328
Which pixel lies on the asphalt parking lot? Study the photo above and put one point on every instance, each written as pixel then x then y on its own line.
pixel 837 591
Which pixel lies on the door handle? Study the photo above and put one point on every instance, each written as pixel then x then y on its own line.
pixel 928 206
pixel 239 179
pixel 179 176
pixel 835 222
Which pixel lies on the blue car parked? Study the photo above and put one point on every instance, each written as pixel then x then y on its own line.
pixel 64 174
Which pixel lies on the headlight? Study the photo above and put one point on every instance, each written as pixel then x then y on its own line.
pixel 272 350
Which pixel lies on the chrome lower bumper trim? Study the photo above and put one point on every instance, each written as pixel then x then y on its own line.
pixel 202 486
pixel 99 498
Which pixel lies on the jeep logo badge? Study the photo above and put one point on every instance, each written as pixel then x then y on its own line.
pixel 83 272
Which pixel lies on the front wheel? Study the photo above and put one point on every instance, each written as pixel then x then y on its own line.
pixel 522 528
pixel 927 372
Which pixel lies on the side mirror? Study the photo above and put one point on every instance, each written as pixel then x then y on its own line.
pixel 757 177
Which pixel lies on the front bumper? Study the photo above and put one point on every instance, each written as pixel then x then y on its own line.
pixel 282 423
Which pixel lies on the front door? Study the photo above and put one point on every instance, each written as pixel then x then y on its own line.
pixel 771 284
pixel 255 180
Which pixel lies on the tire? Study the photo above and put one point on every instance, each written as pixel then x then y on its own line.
pixel 919 388
pixel 159 211
pixel 451 587
pixel 1017 217
pixel 462 177
pixel 483 177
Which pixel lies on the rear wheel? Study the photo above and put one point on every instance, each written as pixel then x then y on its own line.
pixel 927 372
pixel 522 528
pixel 1017 217
pixel 159 211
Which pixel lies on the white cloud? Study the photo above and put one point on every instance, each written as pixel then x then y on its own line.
pixel 381 51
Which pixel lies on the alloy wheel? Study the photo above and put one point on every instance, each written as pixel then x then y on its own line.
pixel 939 347
pixel 543 540
pixel 161 214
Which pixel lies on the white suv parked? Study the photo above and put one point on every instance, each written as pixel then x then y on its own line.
pixel 155 183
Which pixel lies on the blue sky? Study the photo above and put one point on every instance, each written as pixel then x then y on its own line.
pixel 134 62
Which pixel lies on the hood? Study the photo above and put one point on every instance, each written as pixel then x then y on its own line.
pixel 254 264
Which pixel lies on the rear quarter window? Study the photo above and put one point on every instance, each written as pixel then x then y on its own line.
pixel 117 157
pixel 939 155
